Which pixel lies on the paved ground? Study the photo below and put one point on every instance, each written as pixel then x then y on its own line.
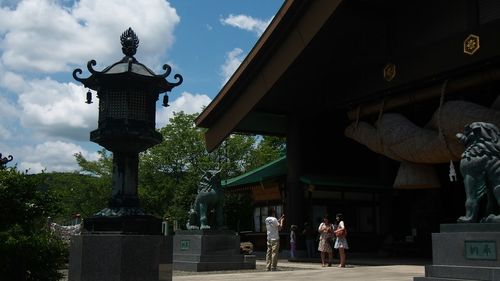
pixel 312 271
pixel 361 268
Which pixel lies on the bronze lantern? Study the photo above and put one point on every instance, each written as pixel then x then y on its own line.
pixel 127 92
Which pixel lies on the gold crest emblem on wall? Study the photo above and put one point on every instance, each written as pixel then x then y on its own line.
pixel 389 72
pixel 471 44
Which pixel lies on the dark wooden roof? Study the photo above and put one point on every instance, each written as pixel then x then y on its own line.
pixel 328 56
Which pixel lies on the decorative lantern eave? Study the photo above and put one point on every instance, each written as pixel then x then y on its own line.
pixel 125 70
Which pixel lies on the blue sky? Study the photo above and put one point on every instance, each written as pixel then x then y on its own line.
pixel 44 119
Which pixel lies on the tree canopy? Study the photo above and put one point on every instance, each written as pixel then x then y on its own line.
pixel 28 251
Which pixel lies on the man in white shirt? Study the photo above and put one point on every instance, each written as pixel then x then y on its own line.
pixel 273 227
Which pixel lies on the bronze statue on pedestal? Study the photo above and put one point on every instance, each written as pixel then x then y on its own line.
pixel 480 167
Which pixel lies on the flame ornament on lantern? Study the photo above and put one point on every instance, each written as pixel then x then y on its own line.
pixel 125 68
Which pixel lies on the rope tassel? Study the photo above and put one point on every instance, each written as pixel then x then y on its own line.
pixel 453 173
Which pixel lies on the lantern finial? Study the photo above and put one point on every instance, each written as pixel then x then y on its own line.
pixel 130 42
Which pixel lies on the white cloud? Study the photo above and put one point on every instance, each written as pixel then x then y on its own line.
pixel 246 23
pixel 42 116
pixel 51 156
pixel 57 109
pixel 233 61
pixel 11 81
pixel 8 109
pixel 187 102
pixel 50 36
pixel 40 35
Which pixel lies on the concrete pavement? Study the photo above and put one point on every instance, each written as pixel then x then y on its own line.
pixel 313 271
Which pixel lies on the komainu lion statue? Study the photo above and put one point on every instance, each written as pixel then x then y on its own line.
pixel 480 167
pixel 210 197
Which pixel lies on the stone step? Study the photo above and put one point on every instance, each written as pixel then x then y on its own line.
pixel 463 272
pixel 439 279
pixel 212 266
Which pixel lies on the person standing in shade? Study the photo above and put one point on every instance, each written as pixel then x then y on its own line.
pixel 293 241
pixel 273 226
pixel 310 236
pixel 341 241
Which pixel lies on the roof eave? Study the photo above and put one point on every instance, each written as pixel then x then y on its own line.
pixel 264 42
pixel 294 27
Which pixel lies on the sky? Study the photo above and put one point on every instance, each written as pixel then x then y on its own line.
pixel 44 117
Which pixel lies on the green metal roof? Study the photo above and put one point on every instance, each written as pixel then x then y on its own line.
pixel 277 168
pixel 272 169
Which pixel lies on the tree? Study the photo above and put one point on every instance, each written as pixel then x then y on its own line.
pixel 78 193
pixel 269 148
pixel 83 192
pixel 169 171
pixel 28 251
pixel 181 159
pixel 101 168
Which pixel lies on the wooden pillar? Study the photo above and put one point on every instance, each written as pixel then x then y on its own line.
pixel 294 209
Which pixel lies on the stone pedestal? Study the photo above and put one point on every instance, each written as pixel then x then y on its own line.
pixel 117 257
pixel 209 250
pixel 464 252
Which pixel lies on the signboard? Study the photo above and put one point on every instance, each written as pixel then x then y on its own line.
pixel 266 193
pixel 184 245
pixel 481 250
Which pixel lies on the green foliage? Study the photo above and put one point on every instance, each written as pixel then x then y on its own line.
pixel 21 202
pixel 268 149
pixel 78 193
pixel 234 154
pixel 171 171
pixel 30 256
pixel 168 172
pixel 84 192
pixel 101 168
pixel 28 251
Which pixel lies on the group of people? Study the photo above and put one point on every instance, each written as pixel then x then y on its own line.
pixel 331 236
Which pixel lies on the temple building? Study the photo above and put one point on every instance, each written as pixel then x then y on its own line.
pixel 370 96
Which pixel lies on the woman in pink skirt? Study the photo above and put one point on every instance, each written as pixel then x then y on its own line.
pixel 325 230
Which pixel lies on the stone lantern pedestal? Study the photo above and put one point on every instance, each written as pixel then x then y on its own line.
pixel 123 242
pixel 120 257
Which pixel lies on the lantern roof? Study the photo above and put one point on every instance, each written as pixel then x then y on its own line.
pixel 127 69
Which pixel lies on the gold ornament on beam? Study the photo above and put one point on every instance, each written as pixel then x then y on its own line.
pixel 471 44
pixel 389 72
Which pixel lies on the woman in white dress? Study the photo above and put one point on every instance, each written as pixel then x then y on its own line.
pixel 341 241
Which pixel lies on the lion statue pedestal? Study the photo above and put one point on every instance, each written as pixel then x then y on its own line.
pixel 468 250
pixel 464 251
pixel 204 246
pixel 209 250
